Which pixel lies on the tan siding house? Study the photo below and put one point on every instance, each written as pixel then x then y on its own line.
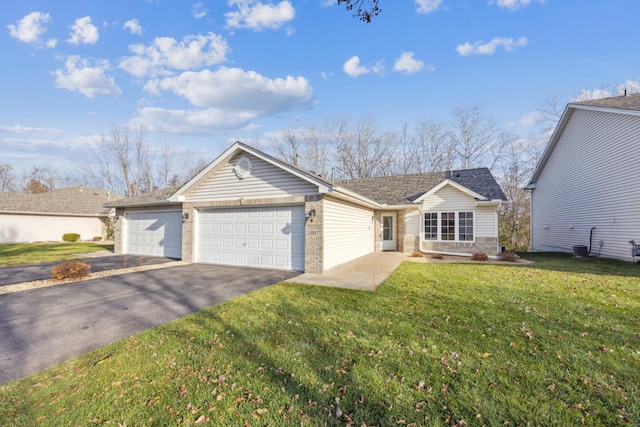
pixel 584 192
pixel 47 216
pixel 250 209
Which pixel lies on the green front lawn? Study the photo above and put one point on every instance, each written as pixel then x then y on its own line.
pixel 556 343
pixel 31 253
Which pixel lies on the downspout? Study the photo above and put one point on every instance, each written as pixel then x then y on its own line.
pixel 591 239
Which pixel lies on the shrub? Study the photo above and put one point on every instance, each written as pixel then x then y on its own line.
pixel 96 239
pixel 437 256
pixel 479 256
pixel 70 270
pixel 417 254
pixel 509 256
pixel 71 237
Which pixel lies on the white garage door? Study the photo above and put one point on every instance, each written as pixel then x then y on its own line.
pixel 154 233
pixel 265 237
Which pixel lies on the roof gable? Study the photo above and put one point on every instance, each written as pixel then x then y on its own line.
pixel 448 182
pixel 232 152
pixel 628 104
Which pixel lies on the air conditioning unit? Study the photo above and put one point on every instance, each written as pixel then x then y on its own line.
pixel 580 251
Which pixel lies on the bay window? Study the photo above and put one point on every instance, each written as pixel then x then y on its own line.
pixel 448 226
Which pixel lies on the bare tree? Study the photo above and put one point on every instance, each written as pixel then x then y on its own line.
pixel 289 147
pixel 123 162
pixel 7 178
pixel 364 151
pixel 475 137
pixel 39 180
pixel 436 148
pixel 364 10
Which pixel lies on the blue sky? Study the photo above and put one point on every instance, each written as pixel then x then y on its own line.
pixel 199 75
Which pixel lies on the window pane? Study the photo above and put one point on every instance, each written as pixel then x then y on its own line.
pixel 387 229
pixel 431 226
pixel 448 226
pixel 465 230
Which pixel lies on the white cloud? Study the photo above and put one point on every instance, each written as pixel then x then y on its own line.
pixel 408 64
pixel 30 130
pixel 258 16
pixel 478 48
pixel 353 68
pixel 83 32
pixel 530 119
pixel 51 43
pixel 236 89
pixel 199 10
pixel 79 75
pixel 134 26
pixel 30 28
pixel 427 6
pixel 190 122
pixel 514 4
pixel 229 98
pixel 166 53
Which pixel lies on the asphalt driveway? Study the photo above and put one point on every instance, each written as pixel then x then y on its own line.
pixel 43 327
pixel 31 272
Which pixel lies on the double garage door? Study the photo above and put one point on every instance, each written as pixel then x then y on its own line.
pixel 263 237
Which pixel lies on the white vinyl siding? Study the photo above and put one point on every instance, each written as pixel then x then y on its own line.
pixel 153 233
pixel 486 221
pixel 412 222
pixel 264 181
pixel 348 232
pixel 590 180
pixel 262 237
pixel 450 199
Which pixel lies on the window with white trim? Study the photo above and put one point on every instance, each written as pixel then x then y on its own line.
pixel 448 226
pixel 431 226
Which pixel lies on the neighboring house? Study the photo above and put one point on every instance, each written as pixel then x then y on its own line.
pixel 47 216
pixel 585 190
pixel 248 208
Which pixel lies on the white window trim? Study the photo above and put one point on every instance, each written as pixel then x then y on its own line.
pixel 439 226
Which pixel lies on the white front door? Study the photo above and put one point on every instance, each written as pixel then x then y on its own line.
pixel 388 231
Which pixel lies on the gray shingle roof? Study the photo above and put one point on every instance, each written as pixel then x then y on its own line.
pixel 629 102
pixel 70 201
pixel 404 189
pixel 154 198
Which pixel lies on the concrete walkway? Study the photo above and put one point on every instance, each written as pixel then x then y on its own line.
pixel 365 273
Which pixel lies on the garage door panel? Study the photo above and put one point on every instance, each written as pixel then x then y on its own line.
pixel 262 236
pixel 156 233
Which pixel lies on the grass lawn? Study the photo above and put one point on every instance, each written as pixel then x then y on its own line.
pixel 554 343
pixel 30 253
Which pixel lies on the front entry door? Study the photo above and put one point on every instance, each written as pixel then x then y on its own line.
pixel 388 230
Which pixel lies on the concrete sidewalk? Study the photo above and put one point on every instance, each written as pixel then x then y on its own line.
pixel 365 273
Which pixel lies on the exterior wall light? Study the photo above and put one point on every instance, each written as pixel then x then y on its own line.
pixel 311 215
pixel 185 216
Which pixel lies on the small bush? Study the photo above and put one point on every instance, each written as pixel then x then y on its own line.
pixel 479 256
pixel 509 256
pixel 417 254
pixel 96 239
pixel 437 256
pixel 71 237
pixel 70 270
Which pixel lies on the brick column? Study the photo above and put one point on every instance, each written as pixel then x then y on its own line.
pixel 314 236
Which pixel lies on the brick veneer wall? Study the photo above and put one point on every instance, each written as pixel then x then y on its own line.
pixel 488 245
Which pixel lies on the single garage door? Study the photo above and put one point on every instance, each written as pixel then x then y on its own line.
pixel 264 237
pixel 156 233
